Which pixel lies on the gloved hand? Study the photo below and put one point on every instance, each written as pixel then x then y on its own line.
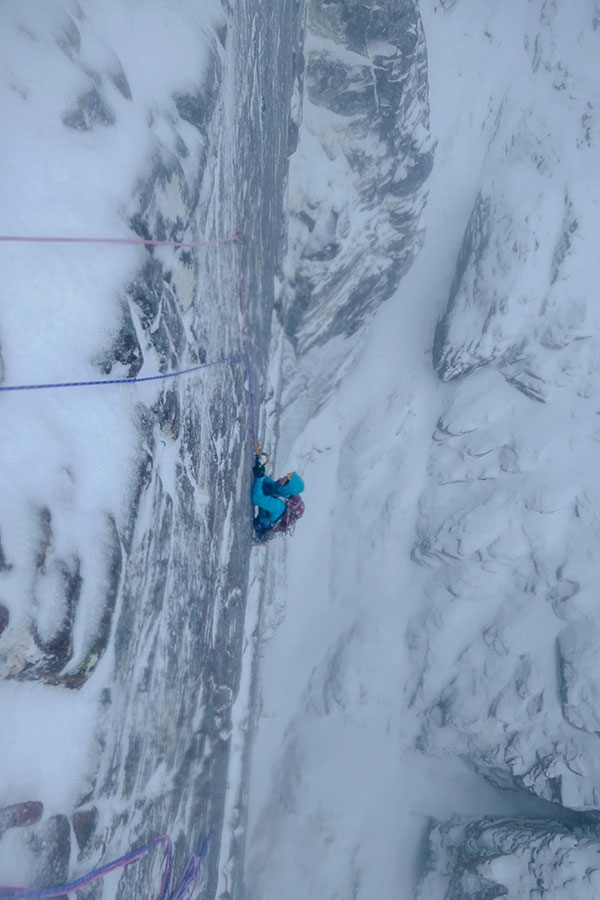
pixel 258 470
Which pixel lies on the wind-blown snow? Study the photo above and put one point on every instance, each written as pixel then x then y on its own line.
pixel 89 98
pixel 450 525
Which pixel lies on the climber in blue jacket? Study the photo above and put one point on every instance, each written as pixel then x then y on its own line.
pixel 272 497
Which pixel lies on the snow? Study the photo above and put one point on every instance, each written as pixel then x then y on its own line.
pixel 362 651
pixel 340 796
pixel 35 715
pixel 71 451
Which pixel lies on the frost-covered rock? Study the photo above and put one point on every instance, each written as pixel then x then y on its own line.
pixel 518 297
pixel 507 524
pixel 578 647
pixel 357 178
pixel 507 527
pixel 512 858
pixel 35 852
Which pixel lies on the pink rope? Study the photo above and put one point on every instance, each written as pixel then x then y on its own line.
pixel 38 239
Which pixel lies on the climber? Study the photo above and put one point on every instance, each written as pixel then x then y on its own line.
pixel 279 503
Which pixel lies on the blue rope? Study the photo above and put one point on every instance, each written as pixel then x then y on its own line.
pixel 67 384
pixel 181 891
pixel 236 239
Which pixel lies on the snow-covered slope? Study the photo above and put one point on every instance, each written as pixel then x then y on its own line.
pixel 508 523
pixel 440 602
pixel 122 568
pixel 513 858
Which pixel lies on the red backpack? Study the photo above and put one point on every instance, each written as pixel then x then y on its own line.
pixel 294 510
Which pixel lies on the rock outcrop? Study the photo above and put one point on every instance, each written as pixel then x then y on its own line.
pixel 509 635
pixel 512 858
pixel 357 178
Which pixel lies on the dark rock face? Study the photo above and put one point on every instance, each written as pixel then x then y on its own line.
pixel 84 826
pixel 4 617
pixel 355 229
pixel 512 858
pixel 56 587
pixel 165 585
pixel 447 359
pixel 49 845
pixel 20 814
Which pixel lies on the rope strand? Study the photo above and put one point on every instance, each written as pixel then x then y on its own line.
pixel 185 884
pixel 68 384
pixel 30 239
pixel 184 888
pixel 236 239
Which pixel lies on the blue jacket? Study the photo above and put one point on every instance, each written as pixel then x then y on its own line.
pixel 272 505
pixel 267 494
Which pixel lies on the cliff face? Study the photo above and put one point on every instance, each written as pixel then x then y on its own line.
pixel 507 524
pixel 125 518
pixel 506 531
pixel 512 858
pixel 357 177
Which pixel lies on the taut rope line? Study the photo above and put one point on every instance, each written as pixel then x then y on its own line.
pixel 149 242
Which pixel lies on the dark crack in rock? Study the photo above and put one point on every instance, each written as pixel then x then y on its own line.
pixel 44 542
pixel 125 348
pixel 512 858
pixel 5 566
pixel 119 79
pixel 4 618
pixel 69 38
pixel 91 110
pixel 447 358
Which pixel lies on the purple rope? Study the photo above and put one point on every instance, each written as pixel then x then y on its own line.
pixel 66 384
pixel 31 239
pixel 96 874
pixel 40 239
pixel 182 890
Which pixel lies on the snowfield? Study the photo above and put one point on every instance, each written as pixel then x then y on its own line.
pixel 402 700
pixel 125 515
pixel 434 663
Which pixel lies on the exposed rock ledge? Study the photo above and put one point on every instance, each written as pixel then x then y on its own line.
pixel 356 184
